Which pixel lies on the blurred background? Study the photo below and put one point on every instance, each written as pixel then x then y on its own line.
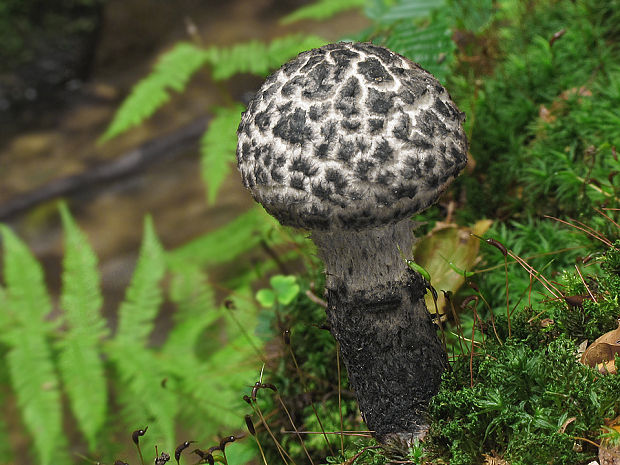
pixel 142 287
pixel 66 67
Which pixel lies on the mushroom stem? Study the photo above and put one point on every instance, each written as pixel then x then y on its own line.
pixel 377 313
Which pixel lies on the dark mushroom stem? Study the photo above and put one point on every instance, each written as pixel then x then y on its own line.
pixel 377 314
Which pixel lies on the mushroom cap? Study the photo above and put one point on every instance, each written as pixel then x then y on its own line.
pixel 349 136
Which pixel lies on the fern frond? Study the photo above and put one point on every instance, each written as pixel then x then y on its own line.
pixel 409 9
pixel 145 401
pixel 195 310
pixel 80 364
pixel 146 398
pixel 322 9
pixel 6 449
pixel 171 72
pixel 143 296
pixel 25 285
pixel 431 47
pixel 226 243
pixel 217 148
pixel 217 382
pixel 5 314
pixel 29 360
pixel 38 397
pixel 258 58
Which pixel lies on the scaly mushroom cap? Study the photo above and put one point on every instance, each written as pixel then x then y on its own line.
pixel 349 136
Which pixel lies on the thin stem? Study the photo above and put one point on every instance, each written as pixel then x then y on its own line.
pixel 340 400
pixel 589 231
pixel 507 296
pixel 584 283
pixel 356 456
pixel 290 419
pixel 303 386
pixel 281 450
pixel 316 299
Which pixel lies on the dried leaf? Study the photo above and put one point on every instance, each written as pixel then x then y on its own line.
pixel 546 322
pixel 601 353
pixel 446 248
pixel 567 422
pixel 609 455
pixel 493 460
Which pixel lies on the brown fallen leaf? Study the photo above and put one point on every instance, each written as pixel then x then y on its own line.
pixel 493 460
pixel 608 455
pixel 567 422
pixel 445 244
pixel 601 353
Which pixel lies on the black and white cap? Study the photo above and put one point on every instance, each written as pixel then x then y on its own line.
pixel 349 136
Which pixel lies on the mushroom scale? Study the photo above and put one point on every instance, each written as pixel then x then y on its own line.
pixel 349 136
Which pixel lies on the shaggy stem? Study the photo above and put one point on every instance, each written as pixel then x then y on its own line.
pixel 377 314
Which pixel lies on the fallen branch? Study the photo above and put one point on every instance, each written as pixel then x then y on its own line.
pixel 134 161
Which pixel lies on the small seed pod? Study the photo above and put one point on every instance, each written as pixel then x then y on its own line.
pixel 180 448
pixel 250 424
pixel 225 441
pixel 498 245
pixel 135 436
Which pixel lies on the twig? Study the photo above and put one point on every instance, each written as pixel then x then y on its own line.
pixel 589 231
pixel 153 151
pixel 356 456
pixel 316 299
pixel 584 283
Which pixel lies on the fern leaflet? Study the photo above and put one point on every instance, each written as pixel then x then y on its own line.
pixel 218 147
pixel 217 378
pixel 431 47
pixel 6 449
pixel 143 296
pixel 145 401
pixel 171 72
pixel 29 360
pixel 5 316
pixel 196 310
pixel 408 9
pixel 257 58
pixel 79 360
pixel 226 243
pixel 322 9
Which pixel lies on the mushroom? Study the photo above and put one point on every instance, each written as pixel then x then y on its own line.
pixel 349 141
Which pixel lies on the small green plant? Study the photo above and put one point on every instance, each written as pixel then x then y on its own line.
pixel 516 397
pixel 283 290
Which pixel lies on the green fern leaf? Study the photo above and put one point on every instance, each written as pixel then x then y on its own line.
pixel 431 47
pixel 6 447
pixel 195 310
pixel 143 296
pixel 257 58
pixel 218 147
pixel 145 401
pixel 80 364
pixel 24 280
pixel 409 9
pixel 171 72
pixel 6 317
pixel 144 395
pixel 226 243
pixel 216 383
pixel 322 9
pixel 29 360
